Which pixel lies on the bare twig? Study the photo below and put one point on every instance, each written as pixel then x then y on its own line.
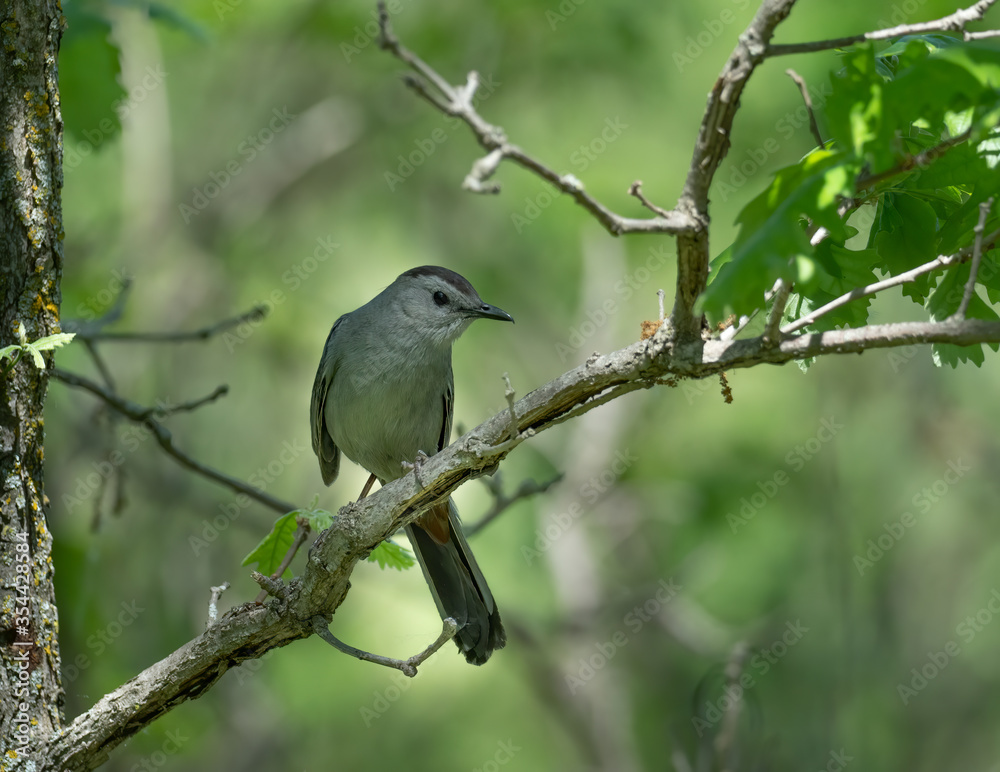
pixel 144 415
pixel 99 363
pixel 213 603
pixel 772 331
pixel 804 90
pixel 162 411
pixel 659 298
pixel 407 666
pixel 502 502
pixel 508 394
pixel 977 257
pixel 301 534
pixel 457 102
pixel 936 264
pixel 481 171
pixel 635 189
pixel 270 585
pixel 85 332
pixel 82 326
pixel 741 324
pixel 954 22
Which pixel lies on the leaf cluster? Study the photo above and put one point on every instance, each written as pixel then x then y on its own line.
pixel 913 134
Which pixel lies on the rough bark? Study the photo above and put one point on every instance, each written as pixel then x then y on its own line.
pixel 31 697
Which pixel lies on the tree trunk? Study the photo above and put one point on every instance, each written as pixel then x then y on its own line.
pixel 31 696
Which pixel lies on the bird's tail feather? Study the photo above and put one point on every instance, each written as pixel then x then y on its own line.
pixel 458 586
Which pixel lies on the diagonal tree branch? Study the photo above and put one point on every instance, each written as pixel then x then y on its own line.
pixel 457 101
pixel 145 416
pixel 95 332
pixel 954 22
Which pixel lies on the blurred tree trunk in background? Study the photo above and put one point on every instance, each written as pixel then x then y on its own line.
pixel 31 177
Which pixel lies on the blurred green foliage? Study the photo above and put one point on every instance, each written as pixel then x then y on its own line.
pixel 253 165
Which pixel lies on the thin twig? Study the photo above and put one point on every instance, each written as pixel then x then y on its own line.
pixel 481 171
pixel 780 293
pixel 143 415
pixel 407 666
pixel 635 189
pixel 273 587
pixel 977 256
pixel 729 333
pixel 99 363
pixel 503 502
pixel 253 315
pixel 84 328
pixel 919 161
pixel 162 411
pixel 213 603
pixel 301 534
pixel 804 90
pixel 954 22
pixel 738 325
pixel 457 102
pixel 660 294
pixel 508 394
pixel 936 264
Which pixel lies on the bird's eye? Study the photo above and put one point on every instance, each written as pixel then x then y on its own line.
pixel 440 298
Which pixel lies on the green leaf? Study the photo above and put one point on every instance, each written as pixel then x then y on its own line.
pixel 989 274
pixel 390 555
pixel 936 87
pixel 904 237
pixel 932 42
pixel 838 271
pixel 50 342
pixel 772 234
pixel 273 547
pixel 319 519
pixel 944 301
pixel 36 357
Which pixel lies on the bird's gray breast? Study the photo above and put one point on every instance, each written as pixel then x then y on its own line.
pixel 387 402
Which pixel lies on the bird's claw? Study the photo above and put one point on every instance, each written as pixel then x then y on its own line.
pixel 417 464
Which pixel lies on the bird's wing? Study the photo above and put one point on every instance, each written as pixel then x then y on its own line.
pixel 448 400
pixel 435 519
pixel 322 440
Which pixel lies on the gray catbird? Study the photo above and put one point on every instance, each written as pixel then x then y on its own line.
pixel 383 395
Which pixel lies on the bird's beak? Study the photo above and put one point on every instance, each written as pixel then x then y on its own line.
pixel 486 311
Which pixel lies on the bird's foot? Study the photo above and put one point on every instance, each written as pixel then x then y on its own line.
pixel 417 464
